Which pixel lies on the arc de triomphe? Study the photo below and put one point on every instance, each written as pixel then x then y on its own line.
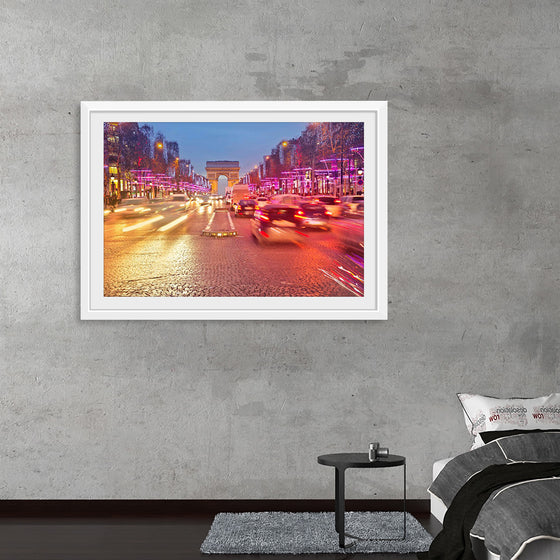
pixel 229 169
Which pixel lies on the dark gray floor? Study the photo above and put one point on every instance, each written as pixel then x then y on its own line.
pixel 134 539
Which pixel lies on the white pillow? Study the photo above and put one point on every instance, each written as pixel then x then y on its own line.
pixel 483 414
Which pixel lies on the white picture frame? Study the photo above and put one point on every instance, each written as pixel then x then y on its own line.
pixel 371 306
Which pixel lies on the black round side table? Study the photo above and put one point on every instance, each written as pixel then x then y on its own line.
pixel 343 461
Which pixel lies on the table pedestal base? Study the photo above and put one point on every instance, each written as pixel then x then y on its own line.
pixel 339 509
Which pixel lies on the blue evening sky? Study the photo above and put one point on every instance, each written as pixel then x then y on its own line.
pixel 246 142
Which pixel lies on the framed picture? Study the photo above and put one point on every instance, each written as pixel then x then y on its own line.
pixel 234 210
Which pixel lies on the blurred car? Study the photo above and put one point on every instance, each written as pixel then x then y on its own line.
pixel 331 203
pixel 245 207
pixel 179 200
pixel 237 193
pixel 352 203
pixel 289 199
pixel 350 233
pixel 203 199
pixel 262 201
pixel 234 203
pixel 132 207
pixel 312 215
pixel 275 223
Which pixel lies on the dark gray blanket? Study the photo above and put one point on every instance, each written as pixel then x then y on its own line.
pixel 517 512
pixel 454 542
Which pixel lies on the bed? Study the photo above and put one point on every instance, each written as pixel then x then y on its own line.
pixel 501 499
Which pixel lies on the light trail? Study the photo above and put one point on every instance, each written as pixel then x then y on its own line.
pixel 354 291
pixel 173 223
pixel 355 276
pixel 141 224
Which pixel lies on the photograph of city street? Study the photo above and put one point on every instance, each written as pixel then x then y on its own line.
pixel 233 209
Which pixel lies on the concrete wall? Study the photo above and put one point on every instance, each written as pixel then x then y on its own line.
pixel 241 410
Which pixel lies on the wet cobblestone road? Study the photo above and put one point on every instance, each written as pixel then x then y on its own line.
pixel 162 253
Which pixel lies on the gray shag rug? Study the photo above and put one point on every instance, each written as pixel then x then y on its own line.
pixel 278 532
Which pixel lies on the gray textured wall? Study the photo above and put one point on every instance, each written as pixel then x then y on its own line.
pixel 175 409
